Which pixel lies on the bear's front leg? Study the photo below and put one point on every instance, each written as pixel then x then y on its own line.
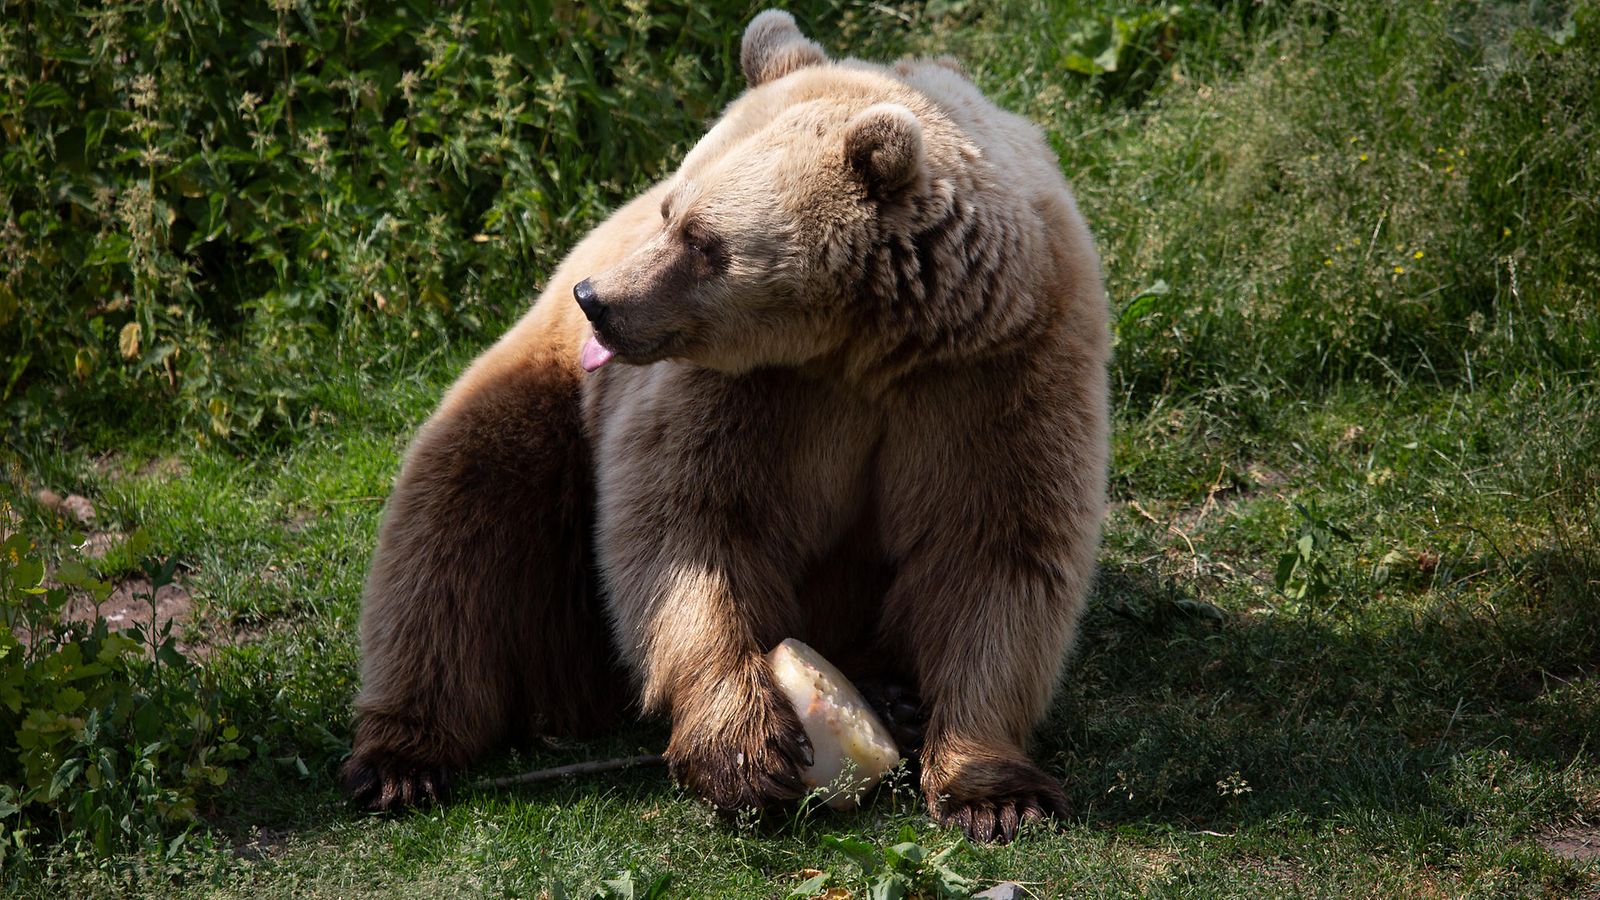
pixel 700 543
pixel 735 740
pixel 709 509
pixel 987 647
pixel 993 520
pixel 716 493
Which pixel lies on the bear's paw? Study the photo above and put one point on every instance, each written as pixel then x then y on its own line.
pixel 991 800
pixel 385 783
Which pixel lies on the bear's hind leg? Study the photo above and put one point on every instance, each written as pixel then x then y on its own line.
pixel 480 620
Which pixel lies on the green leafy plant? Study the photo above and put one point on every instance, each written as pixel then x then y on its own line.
pixel 903 870
pixel 200 203
pixel 1306 571
pixel 1113 43
pixel 115 736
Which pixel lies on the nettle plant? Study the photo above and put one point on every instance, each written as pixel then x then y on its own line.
pixel 1307 572
pixel 112 738
pixel 206 199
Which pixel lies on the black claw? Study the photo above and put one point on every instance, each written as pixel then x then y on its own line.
pixel 1007 822
pixel 999 821
pixel 788 782
pixel 386 785
pixel 983 822
pixel 962 818
pixel 360 783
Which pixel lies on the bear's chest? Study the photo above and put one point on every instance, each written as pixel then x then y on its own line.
pixel 773 452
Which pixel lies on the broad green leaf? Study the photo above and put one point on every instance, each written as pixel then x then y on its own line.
pixel 889 886
pixel 65 776
pixel 907 851
pixel 27 574
pixel 810 887
pixel 658 888
pixel 618 888
pixel 859 851
pixel 1285 571
pixel 68 699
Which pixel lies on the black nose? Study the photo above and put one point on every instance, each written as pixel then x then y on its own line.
pixel 589 301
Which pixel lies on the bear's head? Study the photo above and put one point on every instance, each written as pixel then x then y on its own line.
pixel 814 186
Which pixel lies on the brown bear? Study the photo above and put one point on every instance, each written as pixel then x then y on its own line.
pixel 842 377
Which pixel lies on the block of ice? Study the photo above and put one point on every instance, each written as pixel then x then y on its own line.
pixel 853 749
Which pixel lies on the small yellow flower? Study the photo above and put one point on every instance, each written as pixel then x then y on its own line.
pixel 1399 270
pixel 1449 169
pixel 1355 242
pixel 1327 262
pixel 1354 138
pixel 1417 255
pixel 1505 232
pixel 1461 152
pixel 1337 247
pixel 1363 157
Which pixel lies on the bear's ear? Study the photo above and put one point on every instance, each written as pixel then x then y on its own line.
pixel 883 145
pixel 773 47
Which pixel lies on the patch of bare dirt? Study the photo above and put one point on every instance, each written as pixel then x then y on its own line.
pixel 96 544
pixel 110 466
pixel 1579 843
pixel 1186 527
pixel 1255 481
pixel 163 468
pixel 80 509
pixel 1278 870
pixel 264 843
pixel 128 604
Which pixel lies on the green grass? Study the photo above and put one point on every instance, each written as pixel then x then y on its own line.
pixel 1415 725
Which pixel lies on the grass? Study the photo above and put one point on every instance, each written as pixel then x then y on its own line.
pixel 1353 251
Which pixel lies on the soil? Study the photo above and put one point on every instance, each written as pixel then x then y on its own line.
pixel 129 604
pixel 1577 843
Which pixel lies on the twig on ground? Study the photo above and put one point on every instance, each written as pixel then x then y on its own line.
pixel 584 768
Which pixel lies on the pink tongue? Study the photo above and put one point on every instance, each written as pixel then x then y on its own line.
pixel 594 355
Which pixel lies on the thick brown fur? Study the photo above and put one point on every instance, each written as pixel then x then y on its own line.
pixel 858 398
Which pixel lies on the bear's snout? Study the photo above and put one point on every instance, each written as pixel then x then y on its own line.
pixel 589 301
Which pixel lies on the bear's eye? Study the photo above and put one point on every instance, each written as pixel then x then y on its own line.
pixel 701 241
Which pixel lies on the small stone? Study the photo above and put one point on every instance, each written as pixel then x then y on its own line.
pixel 75 505
pixel 1005 890
pixel 79 508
